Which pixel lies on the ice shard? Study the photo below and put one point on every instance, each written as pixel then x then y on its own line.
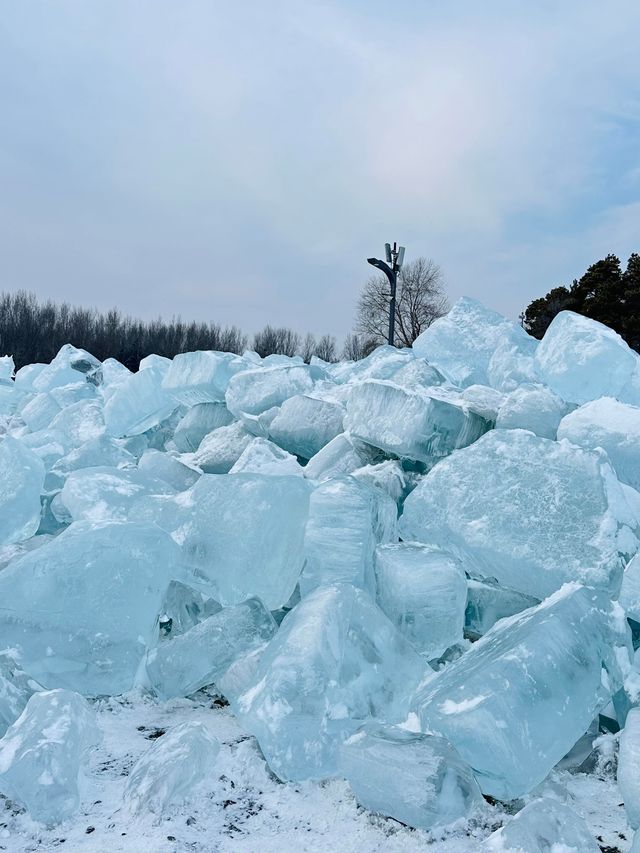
pixel 543 826
pixel 21 481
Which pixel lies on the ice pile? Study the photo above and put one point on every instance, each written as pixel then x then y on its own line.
pixel 416 572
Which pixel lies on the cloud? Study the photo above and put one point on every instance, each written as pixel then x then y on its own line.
pixel 240 162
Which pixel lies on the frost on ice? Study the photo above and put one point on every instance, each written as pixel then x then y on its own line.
pixel 415 572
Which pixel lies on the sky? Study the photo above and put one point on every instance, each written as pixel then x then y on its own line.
pixel 239 161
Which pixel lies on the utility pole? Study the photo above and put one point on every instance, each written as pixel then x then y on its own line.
pixel 391 268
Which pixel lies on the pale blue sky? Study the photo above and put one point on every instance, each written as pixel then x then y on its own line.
pixel 239 161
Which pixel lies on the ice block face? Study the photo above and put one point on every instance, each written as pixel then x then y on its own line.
pixel 335 663
pixel 200 420
pixel 21 481
pixel 16 688
pixel 262 456
pixel 304 425
pixel 420 425
pixel 221 449
pixel 613 426
pixel 423 591
pixel 543 826
pixel 42 752
pixel 170 769
pixel 418 779
pixel 488 602
pixel 347 520
pixel 337 457
pixel 462 343
pixel 517 701
pixel 535 408
pixel 629 597
pixel 581 359
pixel 628 763
pixel 203 654
pixel 84 606
pixel 243 535
pixel 201 377
pixel 107 494
pixel 138 403
pixel 530 512
pixel 254 391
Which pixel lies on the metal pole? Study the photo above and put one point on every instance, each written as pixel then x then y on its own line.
pixel 392 306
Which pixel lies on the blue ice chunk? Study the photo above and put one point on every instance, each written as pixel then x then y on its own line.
pixel 21 481
pixel 543 826
pixel 335 663
pixel 532 407
pixel 170 769
pixel 304 425
pixel 42 753
pixel 221 449
pixel 81 609
pixel 418 779
pixel 254 391
pixel 530 512
pixel 262 456
pixel 628 762
pixel 202 376
pixel 200 420
pixel 138 403
pixel 517 701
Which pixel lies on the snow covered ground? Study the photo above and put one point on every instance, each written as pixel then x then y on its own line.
pixel 241 807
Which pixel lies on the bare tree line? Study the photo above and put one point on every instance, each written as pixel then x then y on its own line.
pixel 33 331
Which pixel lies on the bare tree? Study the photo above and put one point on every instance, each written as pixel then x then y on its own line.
pixel 326 348
pixel 308 348
pixel 419 301
pixel 276 340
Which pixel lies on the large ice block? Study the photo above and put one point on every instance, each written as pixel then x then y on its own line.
pixel 243 535
pixel 414 424
pixel 530 512
pixel 347 519
pixel 221 449
pixel 628 763
pixel 516 702
pixel 39 411
pixel 339 456
pixel 183 606
pixel 201 377
pixel 254 391
pixel 42 753
pixel 335 663
pixel 138 403
pixel 21 481
pixel 488 602
pixel 462 343
pixel 581 359
pixel 203 654
pixel 262 456
pixel 543 826
pixel 532 407
pixel 70 365
pixel 16 688
pixel 84 606
pixel 613 426
pixel 423 591
pixel 168 771
pixel 418 779
pixel 105 494
pixel 163 466
pixel 7 368
pixel 304 425
pixel 198 422
pixel 100 451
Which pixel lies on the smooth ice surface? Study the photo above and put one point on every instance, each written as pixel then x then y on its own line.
pixel 16 688
pixel 304 425
pixel 164 466
pixel 347 519
pixel 203 654
pixel 629 597
pixel 21 481
pixel 262 456
pixel 42 752
pixel 412 424
pixel 613 426
pixel 201 377
pixel 530 512
pixel 335 663
pixel 543 826
pixel 339 456
pixel 84 606
pixel 198 422
pixel 418 779
pixel 107 494
pixel 535 408
pixel 254 391
pixel 138 403
pixel 169 770
pixel 242 534
pixel 221 449
pixel 487 602
pixel 629 767
pixel 516 702
pixel 462 343
pixel 423 591
pixel 581 359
